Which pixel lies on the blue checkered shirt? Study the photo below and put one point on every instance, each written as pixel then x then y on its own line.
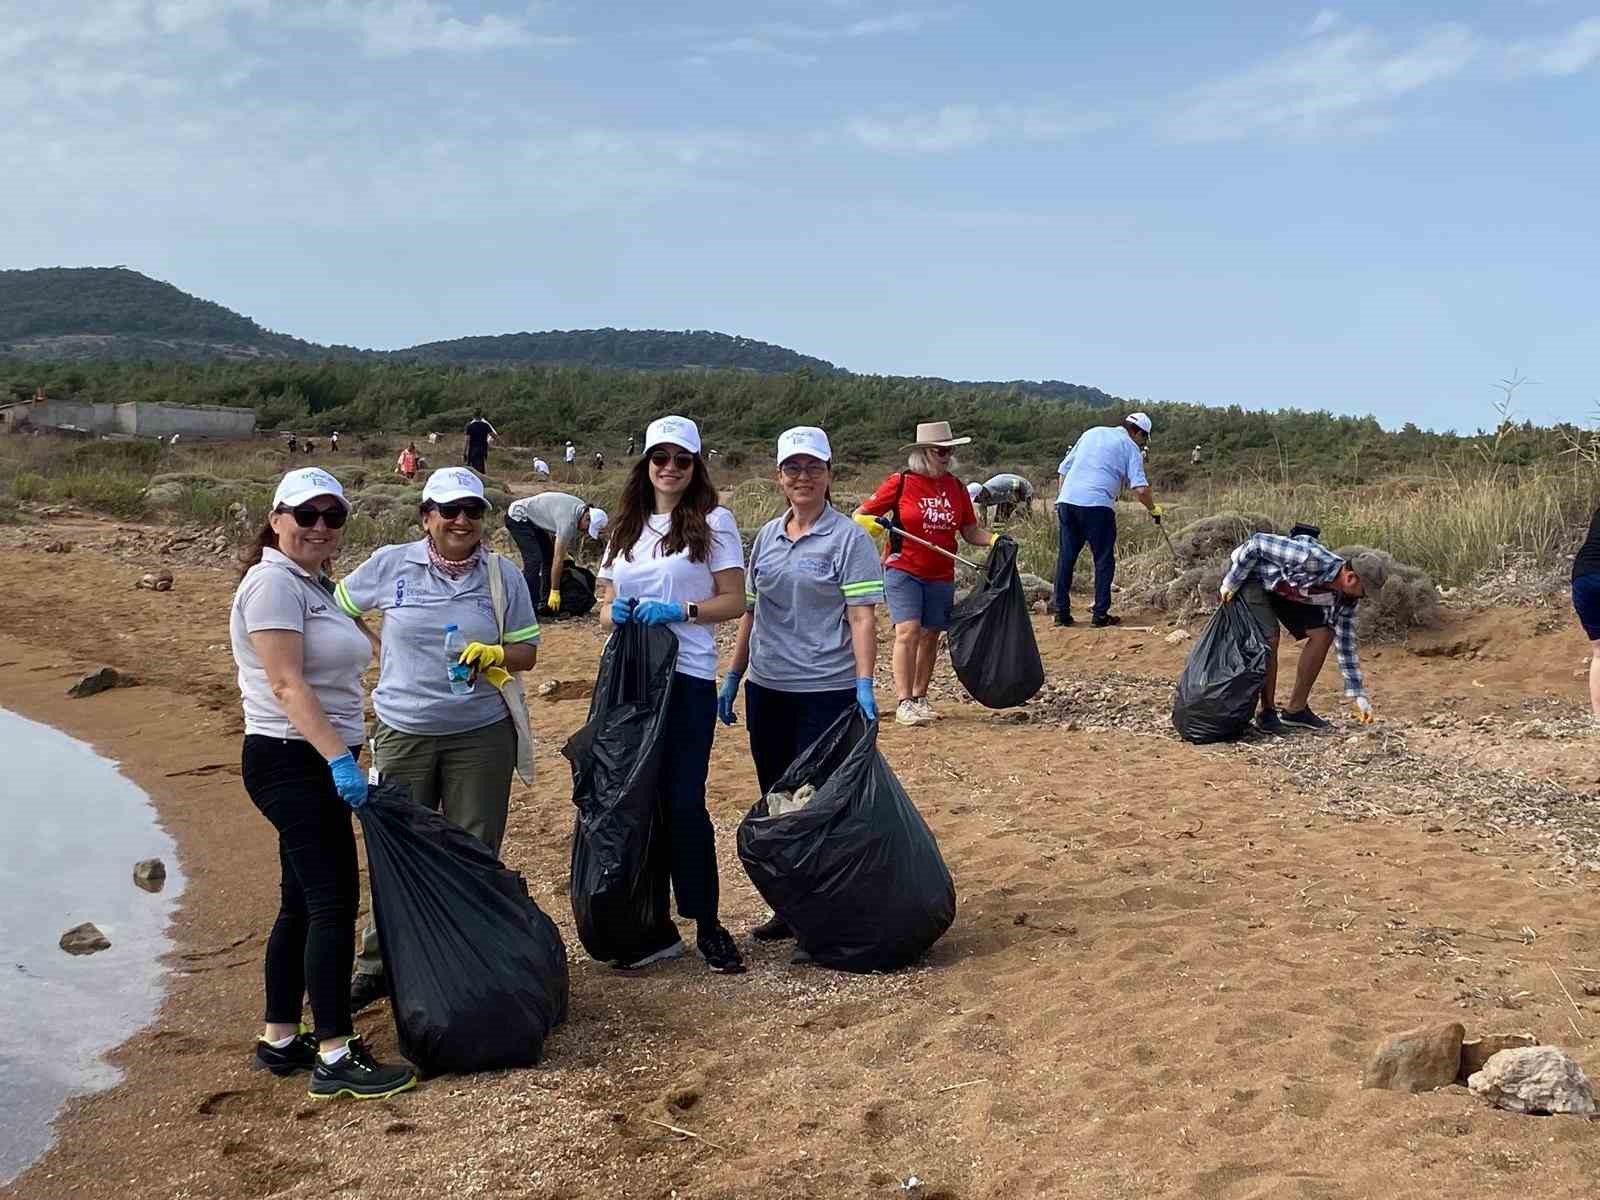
pixel 1293 567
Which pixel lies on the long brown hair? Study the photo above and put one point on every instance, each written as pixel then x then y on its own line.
pixel 688 530
pixel 250 553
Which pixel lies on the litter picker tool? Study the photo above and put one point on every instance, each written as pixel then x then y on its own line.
pixel 1170 546
pixel 895 529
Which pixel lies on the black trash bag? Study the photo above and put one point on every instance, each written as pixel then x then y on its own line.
pixel 577 590
pixel 992 646
pixel 477 972
pixel 856 873
pixel 619 852
pixel 1221 682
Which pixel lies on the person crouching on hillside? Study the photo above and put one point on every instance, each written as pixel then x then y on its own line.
pixel 1314 593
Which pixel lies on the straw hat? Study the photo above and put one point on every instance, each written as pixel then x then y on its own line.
pixel 935 433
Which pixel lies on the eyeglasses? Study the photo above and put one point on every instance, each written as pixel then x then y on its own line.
pixel 940 451
pixel 473 510
pixel 682 460
pixel 814 470
pixel 305 515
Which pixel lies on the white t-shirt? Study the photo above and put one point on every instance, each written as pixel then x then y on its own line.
pixel 277 594
pixel 572 452
pixel 649 576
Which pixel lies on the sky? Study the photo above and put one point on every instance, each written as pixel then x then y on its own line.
pixel 1376 208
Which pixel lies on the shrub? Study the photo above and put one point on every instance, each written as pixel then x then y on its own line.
pixel 29 485
pixel 115 492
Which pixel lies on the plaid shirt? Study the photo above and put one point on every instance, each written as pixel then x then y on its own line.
pixel 1292 567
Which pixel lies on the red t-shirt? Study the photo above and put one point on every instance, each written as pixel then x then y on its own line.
pixel 933 509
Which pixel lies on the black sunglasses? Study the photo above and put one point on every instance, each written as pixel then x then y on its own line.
pixel 474 510
pixel 682 460
pixel 305 515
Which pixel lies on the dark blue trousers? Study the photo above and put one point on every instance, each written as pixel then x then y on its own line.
pixel 782 724
pixel 691 842
pixel 1097 527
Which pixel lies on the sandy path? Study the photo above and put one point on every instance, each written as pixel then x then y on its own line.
pixel 1168 965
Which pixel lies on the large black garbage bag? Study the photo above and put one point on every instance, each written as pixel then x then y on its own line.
pixel 991 639
pixel 1221 682
pixel 478 974
pixel 577 590
pixel 856 873
pixel 619 853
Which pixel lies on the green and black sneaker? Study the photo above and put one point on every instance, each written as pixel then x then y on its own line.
pixel 356 1075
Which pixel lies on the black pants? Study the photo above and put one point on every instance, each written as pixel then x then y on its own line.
pixel 478 459
pixel 692 849
pixel 782 724
pixel 1096 526
pixel 312 944
pixel 538 547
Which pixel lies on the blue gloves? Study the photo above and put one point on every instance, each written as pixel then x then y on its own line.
pixel 726 695
pixel 866 700
pixel 659 612
pixel 621 610
pixel 349 779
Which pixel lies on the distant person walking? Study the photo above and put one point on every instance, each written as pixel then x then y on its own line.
pixel 300 661
pixel 928 501
pixel 546 528
pixel 599 461
pixel 479 432
pixel 571 453
pixel 406 465
pixel 333 442
pixel 1194 457
pixel 1586 601
pixel 630 445
pixel 1100 464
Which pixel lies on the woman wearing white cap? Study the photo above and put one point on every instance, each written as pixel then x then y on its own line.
pixel 674 558
pixel 300 662
pixel 930 503
pixel 809 633
pixel 444 727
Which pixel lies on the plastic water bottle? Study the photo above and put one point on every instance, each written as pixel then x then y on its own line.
pixel 459 672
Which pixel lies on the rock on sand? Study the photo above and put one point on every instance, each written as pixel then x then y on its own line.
pixel 1417 1060
pixel 1536 1079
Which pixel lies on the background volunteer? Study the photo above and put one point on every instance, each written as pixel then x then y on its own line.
pixel 456 751
pixel 479 431
pixel 1586 602
pixel 676 553
pixel 1004 491
pixel 545 528
pixel 1100 464
pixel 927 500
pixel 300 662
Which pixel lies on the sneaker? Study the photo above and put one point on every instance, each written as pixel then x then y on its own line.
pixel 670 946
pixel 1306 719
pixel 1064 619
pixel 926 709
pixel 774 930
pixel 907 713
pixel 299 1055
pixel 366 989
pixel 1102 622
pixel 358 1076
pixel 1268 722
pixel 716 946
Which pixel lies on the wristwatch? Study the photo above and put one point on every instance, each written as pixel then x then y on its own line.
pixel 693 610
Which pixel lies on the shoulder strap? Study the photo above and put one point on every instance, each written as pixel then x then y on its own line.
pixel 895 540
pixel 497 593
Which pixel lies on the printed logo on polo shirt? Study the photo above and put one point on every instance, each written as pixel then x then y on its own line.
pixel 315 609
pixel 818 566
pixel 399 592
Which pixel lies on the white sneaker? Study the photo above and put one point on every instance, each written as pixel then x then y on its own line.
pixel 925 708
pixel 907 713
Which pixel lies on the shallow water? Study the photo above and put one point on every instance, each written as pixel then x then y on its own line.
pixel 71 829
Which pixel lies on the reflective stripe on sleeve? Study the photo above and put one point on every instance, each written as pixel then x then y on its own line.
pixel 526 634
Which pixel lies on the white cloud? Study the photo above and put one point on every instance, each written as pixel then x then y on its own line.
pixel 1567 53
pixel 965 126
pixel 1342 81
pixel 393 28
pixel 777 40
pixel 1325 20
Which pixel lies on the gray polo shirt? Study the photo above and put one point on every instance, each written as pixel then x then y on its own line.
pixel 798 591
pixel 413 693
pixel 277 593
pixel 554 512
pixel 1007 488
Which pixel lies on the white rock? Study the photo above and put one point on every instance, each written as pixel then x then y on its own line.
pixel 1177 637
pixel 1538 1079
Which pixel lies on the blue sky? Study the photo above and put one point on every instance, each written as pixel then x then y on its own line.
pixel 1379 207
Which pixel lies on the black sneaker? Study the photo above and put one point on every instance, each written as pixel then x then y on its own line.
pixel 356 1075
pixel 1306 719
pixel 717 948
pixel 1268 722
pixel 1102 622
pixel 366 989
pixel 669 945
pixel 1064 619
pixel 774 930
pixel 299 1055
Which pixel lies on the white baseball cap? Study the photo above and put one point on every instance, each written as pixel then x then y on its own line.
pixel 679 431
pixel 306 484
pixel 597 522
pixel 973 489
pixel 1139 419
pixel 449 484
pixel 804 439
